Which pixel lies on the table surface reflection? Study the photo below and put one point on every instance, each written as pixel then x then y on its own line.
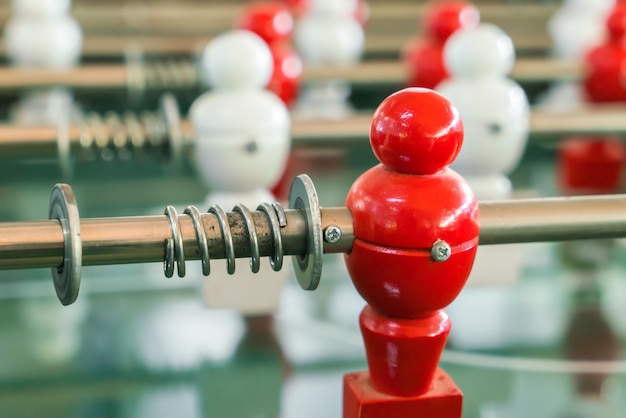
pixel 138 345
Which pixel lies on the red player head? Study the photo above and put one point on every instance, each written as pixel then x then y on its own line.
pixel 424 57
pixel 272 21
pixel 443 18
pixel 616 22
pixel 297 7
pixel 410 206
pixel 605 78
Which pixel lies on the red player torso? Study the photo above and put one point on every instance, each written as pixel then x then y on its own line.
pixel 397 218
pixel 605 79
pixel 273 22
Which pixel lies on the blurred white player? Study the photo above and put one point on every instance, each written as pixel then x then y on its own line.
pixel 575 28
pixel 328 35
pixel 495 113
pixel 242 143
pixel 43 34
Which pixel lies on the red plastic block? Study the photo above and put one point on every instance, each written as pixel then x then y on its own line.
pixel 361 400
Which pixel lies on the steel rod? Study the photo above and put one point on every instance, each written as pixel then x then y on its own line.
pixel 127 240
pixel 545 126
pixel 377 72
pixel 199 18
pixel 554 219
pixel 141 239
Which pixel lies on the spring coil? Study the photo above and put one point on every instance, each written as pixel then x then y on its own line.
pixel 172 73
pixel 114 135
pixel 174 247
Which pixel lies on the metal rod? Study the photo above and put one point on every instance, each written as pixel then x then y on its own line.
pixel 141 239
pixel 378 72
pixel 135 239
pixel 128 240
pixel 200 18
pixel 42 141
pixel 554 219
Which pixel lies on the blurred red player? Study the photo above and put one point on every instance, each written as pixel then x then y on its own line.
pixel 423 57
pixel 273 22
pixel 595 165
pixel 605 78
pixel 416 235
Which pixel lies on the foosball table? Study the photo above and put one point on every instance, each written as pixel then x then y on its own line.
pixel 403 212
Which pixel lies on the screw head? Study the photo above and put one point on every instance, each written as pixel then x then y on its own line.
pixel 441 251
pixel 332 234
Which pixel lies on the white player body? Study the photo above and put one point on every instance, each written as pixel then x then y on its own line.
pixel 242 144
pixel 578 26
pixel 42 34
pixel 328 35
pixel 495 114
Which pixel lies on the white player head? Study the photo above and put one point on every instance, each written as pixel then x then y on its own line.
pixel 589 5
pixel 578 26
pixel 483 51
pixel 43 8
pixel 238 59
pixel 329 33
pixel 242 130
pixel 42 34
pixel 333 8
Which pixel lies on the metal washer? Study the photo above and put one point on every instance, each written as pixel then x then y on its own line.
pixel 171 115
pixel 66 278
pixel 308 268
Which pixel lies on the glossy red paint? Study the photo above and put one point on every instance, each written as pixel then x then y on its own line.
pixel 408 283
pixel 297 7
pixel 443 18
pixel 411 211
pixel 605 79
pixel 591 165
pixel 361 400
pixel 423 58
pixel 400 209
pixel 416 131
pixel 272 21
pixel 403 354
pixel 287 75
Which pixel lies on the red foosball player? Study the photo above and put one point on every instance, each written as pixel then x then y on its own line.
pixel 273 22
pixel 416 234
pixel 423 58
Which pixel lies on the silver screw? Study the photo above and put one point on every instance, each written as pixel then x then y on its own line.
pixel 332 234
pixel 441 251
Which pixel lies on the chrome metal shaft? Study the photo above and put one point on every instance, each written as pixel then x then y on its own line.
pixel 554 219
pixel 127 240
pixel 65 243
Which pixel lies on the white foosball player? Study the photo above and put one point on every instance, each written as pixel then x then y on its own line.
pixel 242 144
pixel 328 35
pixel 495 114
pixel 43 34
pixel 575 28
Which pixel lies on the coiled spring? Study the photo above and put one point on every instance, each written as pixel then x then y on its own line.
pixel 167 74
pixel 174 249
pixel 113 135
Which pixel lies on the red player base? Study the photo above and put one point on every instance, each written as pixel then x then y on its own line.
pixel 361 400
